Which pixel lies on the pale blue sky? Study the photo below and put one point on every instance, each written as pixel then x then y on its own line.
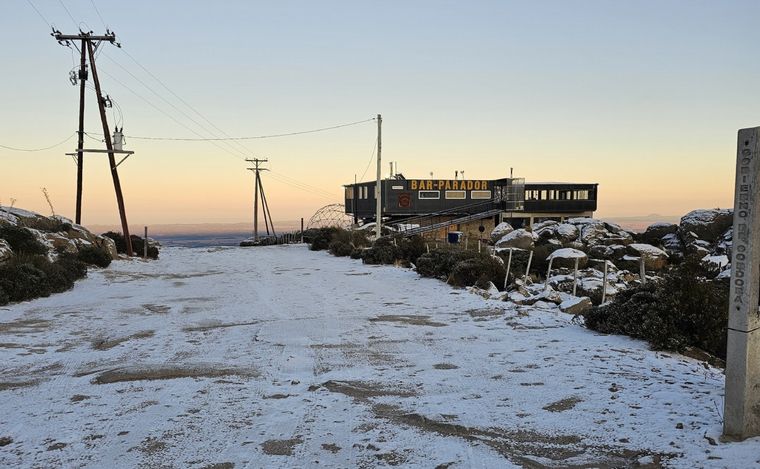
pixel 643 97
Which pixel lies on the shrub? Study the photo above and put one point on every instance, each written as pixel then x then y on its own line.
pixel 340 248
pixel 119 241
pixel 411 248
pixel 439 263
pixel 94 255
pixel 27 277
pixel 477 271
pixel 383 251
pixel 138 244
pixel 23 281
pixel 4 299
pixel 22 241
pixel 683 309
pixel 320 239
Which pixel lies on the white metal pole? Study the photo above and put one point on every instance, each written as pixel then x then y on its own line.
pixel 527 268
pixel 509 265
pixel 546 283
pixel 575 277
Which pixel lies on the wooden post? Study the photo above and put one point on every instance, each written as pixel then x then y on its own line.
pixel 80 140
pixel 378 184
pixel 301 230
pixel 109 146
pixel 575 277
pixel 466 242
pixel 742 400
pixel 479 243
pixel 642 270
pixel 427 247
pixel 509 265
pixel 145 244
pixel 527 268
pixel 604 282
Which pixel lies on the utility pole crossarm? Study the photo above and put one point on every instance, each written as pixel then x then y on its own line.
pixel 78 37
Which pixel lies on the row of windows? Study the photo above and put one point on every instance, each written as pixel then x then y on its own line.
pixel 552 194
pixel 363 192
pixel 454 195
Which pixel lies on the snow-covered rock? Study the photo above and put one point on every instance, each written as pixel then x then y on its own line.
pixel 500 231
pixel 520 238
pixel 655 232
pixel 576 305
pixel 654 257
pixel 567 232
pixel 707 224
pixel 569 256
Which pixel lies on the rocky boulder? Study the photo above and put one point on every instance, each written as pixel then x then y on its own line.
pixel 708 225
pixel 654 233
pixel 578 305
pixel 566 257
pixel 520 239
pixel 654 257
pixel 567 232
pixel 500 231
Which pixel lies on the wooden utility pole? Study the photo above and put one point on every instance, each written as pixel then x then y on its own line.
pixel 86 40
pixel 258 189
pixel 378 188
pixel 741 416
pixel 80 142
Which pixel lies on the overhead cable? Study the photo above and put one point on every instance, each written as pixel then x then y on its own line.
pixel 39 149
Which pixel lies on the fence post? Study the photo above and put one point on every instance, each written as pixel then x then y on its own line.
pixel 145 244
pixel 642 270
pixel 604 282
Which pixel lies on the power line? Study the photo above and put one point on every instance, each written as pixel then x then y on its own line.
pixel 40 14
pixel 371 157
pixel 179 97
pixel 98 12
pixel 39 149
pixel 255 137
pixel 69 13
pixel 158 95
pixel 288 179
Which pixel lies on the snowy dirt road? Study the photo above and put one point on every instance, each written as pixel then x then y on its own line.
pixel 282 357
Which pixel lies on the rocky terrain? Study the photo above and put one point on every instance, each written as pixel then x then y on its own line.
pixel 593 243
pixel 56 232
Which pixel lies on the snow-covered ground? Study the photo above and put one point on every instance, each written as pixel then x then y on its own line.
pixel 282 357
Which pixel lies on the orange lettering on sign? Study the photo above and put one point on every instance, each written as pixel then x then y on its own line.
pixel 413 185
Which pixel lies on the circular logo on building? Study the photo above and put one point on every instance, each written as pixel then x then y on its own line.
pixel 405 200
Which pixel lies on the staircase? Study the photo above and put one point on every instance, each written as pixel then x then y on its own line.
pixel 437 226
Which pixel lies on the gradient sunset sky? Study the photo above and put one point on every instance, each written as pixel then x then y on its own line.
pixel 644 98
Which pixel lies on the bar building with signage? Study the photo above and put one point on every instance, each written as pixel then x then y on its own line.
pixel 469 205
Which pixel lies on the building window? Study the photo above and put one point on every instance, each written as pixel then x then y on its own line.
pixel 429 195
pixel 458 195
pixel 480 194
pixel 349 193
pixel 581 195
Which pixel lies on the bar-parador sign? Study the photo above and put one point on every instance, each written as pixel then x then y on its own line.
pixel 447 185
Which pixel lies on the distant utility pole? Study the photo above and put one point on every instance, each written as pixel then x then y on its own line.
pixel 86 48
pixel 378 189
pixel 258 188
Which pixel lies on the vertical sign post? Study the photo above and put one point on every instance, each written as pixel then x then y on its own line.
pixel 741 417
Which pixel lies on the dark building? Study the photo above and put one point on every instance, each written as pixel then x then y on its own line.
pixel 498 199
